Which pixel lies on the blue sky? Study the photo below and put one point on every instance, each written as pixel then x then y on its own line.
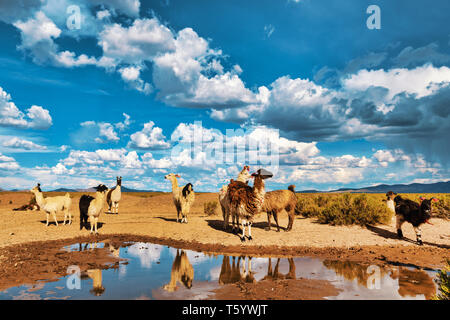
pixel 128 92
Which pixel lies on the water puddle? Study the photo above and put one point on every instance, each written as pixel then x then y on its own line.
pixel 153 271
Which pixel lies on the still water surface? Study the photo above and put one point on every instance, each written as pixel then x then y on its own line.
pixel 154 271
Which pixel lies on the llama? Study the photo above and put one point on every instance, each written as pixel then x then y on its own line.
pixel 90 207
pixel 246 201
pixel 417 214
pixel 53 204
pixel 243 176
pixel 182 271
pixel 113 196
pixel 182 198
pixel 276 201
pixel 31 205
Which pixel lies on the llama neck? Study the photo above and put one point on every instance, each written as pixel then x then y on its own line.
pixel 174 185
pixel 99 197
pixel 242 177
pixel 258 188
pixel 39 198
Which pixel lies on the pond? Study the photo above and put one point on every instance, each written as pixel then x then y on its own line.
pixel 152 271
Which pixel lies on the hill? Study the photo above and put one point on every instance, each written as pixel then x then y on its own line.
pixel 438 187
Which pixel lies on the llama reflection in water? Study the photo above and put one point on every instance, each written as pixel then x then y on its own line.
pixel 96 276
pixel 182 271
pixel 276 275
pixel 232 273
pixel 411 282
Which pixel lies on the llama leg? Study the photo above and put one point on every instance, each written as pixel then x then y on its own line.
pixel 291 219
pixel 268 222
pixel 96 222
pixel 184 216
pixel 249 231
pixel 399 225
pixel 418 235
pixel 54 217
pixel 243 230
pixel 69 218
pixel 48 214
pixel 117 207
pixel 226 218
pixel 275 217
pixel 91 222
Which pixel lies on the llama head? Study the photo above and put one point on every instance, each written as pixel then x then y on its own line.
pixel 119 181
pixel 425 206
pixel 263 173
pixel 390 195
pixel 101 188
pixel 245 175
pixel 172 176
pixel 37 188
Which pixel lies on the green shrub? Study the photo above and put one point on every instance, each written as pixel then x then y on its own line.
pixel 443 282
pixel 344 209
pixel 357 209
pixel 209 208
pixel 307 207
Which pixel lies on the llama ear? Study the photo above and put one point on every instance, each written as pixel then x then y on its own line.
pixel 178 176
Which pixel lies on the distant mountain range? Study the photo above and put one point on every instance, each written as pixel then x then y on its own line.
pixel 124 189
pixel 438 187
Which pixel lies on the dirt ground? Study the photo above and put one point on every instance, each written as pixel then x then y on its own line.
pixel 30 249
pixel 153 216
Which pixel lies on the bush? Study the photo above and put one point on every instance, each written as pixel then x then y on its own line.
pixel 307 207
pixel 355 209
pixel 345 209
pixel 209 208
pixel 443 282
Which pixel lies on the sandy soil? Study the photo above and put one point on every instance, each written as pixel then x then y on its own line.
pixel 30 251
pixel 154 218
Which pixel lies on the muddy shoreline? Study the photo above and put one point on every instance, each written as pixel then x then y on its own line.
pixel 46 260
